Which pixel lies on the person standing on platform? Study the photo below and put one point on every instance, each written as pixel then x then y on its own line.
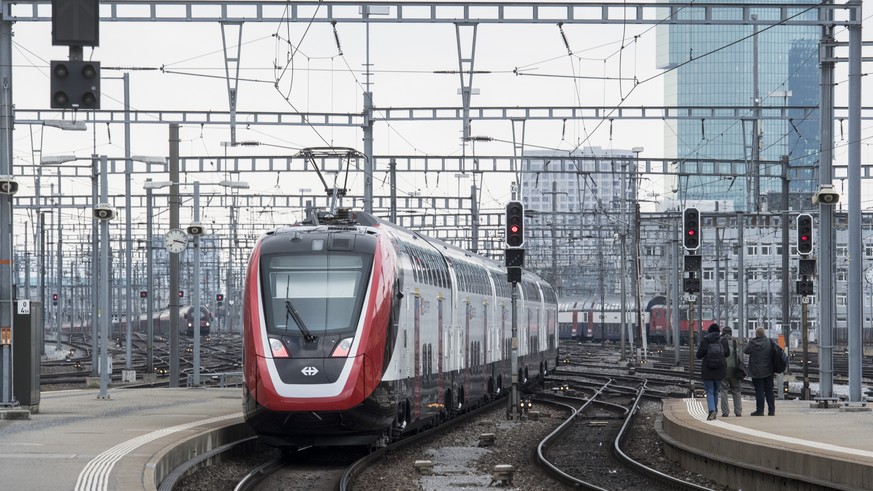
pixel 712 350
pixel 760 351
pixel 732 383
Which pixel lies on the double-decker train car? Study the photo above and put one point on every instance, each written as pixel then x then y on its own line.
pixel 593 320
pixel 661 321
pixel 160 320
pixel 356 330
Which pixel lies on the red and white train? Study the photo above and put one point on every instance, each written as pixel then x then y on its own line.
pixel 356 330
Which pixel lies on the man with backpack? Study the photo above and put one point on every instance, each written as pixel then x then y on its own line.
pixel 732 384
pixel 713 351
pixel 760 351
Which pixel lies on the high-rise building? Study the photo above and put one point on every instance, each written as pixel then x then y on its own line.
pixel 755 72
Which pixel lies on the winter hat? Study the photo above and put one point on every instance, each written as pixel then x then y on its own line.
pixel 727 330
pixel 713 328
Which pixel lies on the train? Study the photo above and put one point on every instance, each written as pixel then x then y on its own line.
pixel 160 321
pixel 660 321
pixel 594 320
pixel 597 321
pixel 357 331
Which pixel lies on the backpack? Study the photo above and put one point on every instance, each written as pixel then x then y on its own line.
pixel 715 357
pixel 780 358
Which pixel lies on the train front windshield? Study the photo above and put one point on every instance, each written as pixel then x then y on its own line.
pixel 323 292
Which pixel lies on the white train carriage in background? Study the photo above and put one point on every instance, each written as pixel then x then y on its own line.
pixel 593 320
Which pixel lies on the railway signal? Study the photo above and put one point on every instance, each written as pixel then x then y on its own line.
pixel 54 298
pixel 181 293
pixel 514 224
pixel 143 294
pixel 691 229
pixel 219 297
pixel 804 234
pixel 75 84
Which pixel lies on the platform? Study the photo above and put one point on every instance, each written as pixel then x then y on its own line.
pixel 800 448
pixel 80 442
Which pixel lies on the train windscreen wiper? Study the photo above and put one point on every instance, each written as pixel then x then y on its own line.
pixel 292 312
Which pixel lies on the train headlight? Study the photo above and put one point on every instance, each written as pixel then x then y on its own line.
pixel 341 350
pixel 278 348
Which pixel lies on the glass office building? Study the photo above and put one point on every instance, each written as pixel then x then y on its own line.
pixel 715 65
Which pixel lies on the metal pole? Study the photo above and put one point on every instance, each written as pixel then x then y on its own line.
pixel 6 119
pixel 392 170
pixel 622 234
pixel 60 269
pixel 513 399
pixel 691 347
pixel 786 253
pixel 229 299
pixel 825 172
pixel 741 281
pixel 677 286
pixel 173 202
pixel 854 300
pixel 367 125
pixel 555 277
pixel 128 254
pixel 196 293
pixel 804 314
pixel 95 271
pixel 104 310
pixel 150 292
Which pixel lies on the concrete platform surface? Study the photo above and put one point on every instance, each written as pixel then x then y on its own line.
pixel 80 442
pixel 801 447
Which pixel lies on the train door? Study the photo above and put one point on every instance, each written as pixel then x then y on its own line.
pixel 467 354
pixel 416 347
pixel 440 346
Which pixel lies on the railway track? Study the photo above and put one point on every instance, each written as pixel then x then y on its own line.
pixel 586 451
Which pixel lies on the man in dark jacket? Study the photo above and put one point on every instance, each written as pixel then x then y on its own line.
pixel 712 373
pixel 760 351
pixel 732 384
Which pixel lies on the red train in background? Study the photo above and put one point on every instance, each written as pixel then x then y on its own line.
pixel 661 320
pixel 356 330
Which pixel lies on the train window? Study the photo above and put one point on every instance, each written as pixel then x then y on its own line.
pixel 326 290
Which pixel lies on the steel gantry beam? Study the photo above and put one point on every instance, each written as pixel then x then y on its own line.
pixel 713 13
pixel 436 114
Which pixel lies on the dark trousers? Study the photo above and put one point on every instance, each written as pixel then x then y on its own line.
pixel 764 391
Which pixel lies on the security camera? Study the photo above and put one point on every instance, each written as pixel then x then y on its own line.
pixel 826 195
pixel 196 229
pixel 8 185
pixel 103 211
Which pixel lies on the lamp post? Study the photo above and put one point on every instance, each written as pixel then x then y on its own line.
pixel 56 160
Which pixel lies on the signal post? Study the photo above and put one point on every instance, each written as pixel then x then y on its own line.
pixel 691 283
pixel 514 256
pixel 804 288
